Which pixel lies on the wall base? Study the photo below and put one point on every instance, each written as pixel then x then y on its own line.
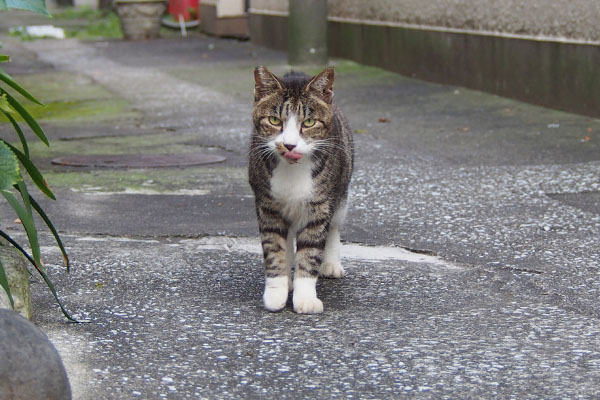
pixel 236 26
pixel 552 74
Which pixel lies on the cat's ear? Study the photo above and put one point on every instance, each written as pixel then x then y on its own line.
pixel 265 82
pixel 322 85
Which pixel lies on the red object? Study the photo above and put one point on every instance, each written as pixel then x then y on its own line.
pixel 189 9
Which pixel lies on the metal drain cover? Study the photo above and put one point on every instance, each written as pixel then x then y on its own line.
pixel 138 160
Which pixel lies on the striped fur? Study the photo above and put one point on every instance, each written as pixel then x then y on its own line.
pixel 300 163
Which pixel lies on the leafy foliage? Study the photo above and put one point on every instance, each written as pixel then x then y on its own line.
pixel 83 23
pixel 14 164
pixel 103 24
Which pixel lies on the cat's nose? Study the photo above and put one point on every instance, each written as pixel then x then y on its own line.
pixel 290 147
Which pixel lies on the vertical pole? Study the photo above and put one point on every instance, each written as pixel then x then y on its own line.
pixel 307 32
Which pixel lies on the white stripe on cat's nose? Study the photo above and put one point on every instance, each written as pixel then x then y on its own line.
pixel 291 134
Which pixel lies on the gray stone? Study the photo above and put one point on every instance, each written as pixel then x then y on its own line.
pixel 31 368
pixel 18 280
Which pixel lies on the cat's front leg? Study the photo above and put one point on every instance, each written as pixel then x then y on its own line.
pixel 273 234
pixel 310 244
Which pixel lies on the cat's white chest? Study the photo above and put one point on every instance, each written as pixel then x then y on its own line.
pixel 292 185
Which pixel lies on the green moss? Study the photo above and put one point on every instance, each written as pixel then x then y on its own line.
pixel 240 77
pixel 74 110
pixel 69 97
pixel 95 24
pixel 62 86
pixel 76 13
pixel 148 144
pixel 351 74
pixel 108 26
pixel 217 179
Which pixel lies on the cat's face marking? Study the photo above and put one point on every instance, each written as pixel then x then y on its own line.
pixel 289 143
pixel 293 115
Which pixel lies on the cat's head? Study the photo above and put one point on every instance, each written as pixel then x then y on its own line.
pixel 293 115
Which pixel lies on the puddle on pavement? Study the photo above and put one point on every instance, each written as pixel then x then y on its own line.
pixel 99 191
pixel 586 201
pixel 350 251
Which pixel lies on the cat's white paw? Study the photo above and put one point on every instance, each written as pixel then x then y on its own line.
pixel 307 305
pixel 305 296
pixel 276 293
pixel 332 270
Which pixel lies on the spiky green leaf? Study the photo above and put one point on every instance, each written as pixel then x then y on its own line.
pixel 26 218
pixel 19 132
pixel 4 106
pixel 4 285
pixel 32 170
pixel 35 127
pixel 4 77
pixel 9 167
pixel 50 226
pixel 42 273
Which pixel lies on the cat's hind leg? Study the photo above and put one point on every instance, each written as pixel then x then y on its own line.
pixel 332 266
pixel 290 255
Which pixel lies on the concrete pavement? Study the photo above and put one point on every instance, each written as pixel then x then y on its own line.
pixel 496 201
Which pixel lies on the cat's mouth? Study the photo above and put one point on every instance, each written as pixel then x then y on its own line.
pixel 292 157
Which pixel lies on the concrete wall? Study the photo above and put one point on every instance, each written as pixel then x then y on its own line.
pixel 543 52
pixel 576 20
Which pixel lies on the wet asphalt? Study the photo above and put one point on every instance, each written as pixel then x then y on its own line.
pixel 500 198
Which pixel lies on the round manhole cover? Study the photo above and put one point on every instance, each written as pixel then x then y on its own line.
pixel 138 160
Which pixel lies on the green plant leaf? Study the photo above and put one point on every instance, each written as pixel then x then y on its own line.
pixel 36 6
pixel 4 106
pixel 32 233
pixel 28 223
pixel 53 290
pixel 18 247
pixel 9 167
pixel 50 226
pixel 35 127
pixel 4 57
pixel 19 132
pixel 10 82
pixel 32 170
pixel 4 285
pixel 42 273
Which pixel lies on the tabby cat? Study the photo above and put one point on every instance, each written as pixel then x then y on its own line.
pixel 301 159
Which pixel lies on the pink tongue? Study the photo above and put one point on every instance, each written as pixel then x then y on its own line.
pixel 292 156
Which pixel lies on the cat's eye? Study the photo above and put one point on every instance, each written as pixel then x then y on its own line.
pixel 308 122
pixel 274 120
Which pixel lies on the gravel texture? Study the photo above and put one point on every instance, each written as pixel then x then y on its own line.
pixel 499 195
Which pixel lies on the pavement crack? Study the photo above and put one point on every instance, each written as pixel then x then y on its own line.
pixel 522 270
pixel 421 251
